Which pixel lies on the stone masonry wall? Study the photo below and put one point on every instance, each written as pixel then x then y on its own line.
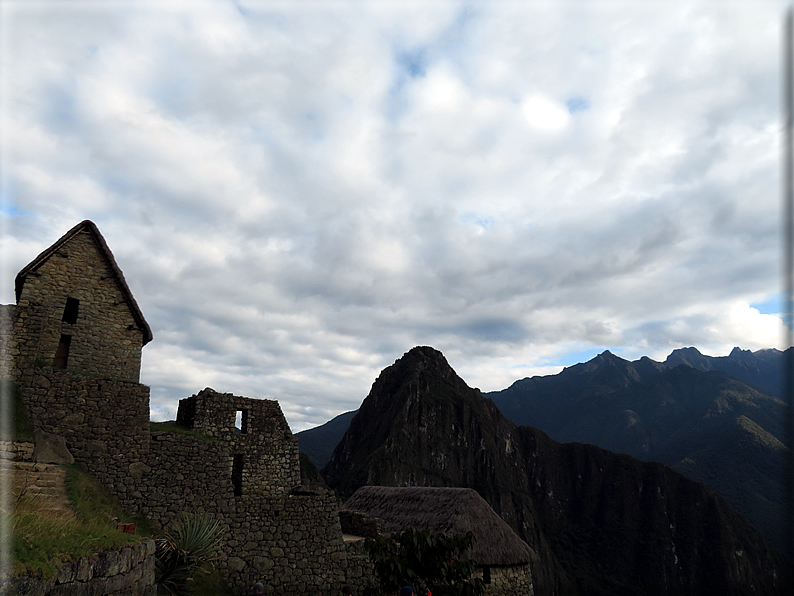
pixel 292 541
pixel 8 350
pixel 105 423
pixel 183 473
pixel 360 570
pixel 16 450
pixel 292 544
pixel 360 524
pixel 510 581
pixel 268 453
pixel 128 572
pixel 105 339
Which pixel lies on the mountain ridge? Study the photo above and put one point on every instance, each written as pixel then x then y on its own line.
pixel 687 418
pixel 600 522
pixel 649 409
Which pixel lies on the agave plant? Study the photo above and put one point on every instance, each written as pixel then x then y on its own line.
pixel 188 547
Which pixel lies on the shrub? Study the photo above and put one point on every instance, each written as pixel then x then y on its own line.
pixel 190 547
pixel 425 561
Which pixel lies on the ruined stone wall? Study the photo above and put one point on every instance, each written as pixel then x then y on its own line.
pixel 105 339
pixel 360 570
pixel 292 542
pixel 128 572
pixel 105 423
pixel 268 456
pixel 356 523
pixel 16 450
pixel 510 581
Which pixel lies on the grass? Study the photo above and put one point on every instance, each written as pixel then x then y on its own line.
pixel 44 539
pixel 95 506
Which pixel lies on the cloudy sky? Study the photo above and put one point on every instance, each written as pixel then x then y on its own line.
pixel 299 192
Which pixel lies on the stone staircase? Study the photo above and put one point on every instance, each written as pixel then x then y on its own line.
pixel 43 483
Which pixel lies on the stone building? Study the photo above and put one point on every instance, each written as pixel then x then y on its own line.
pixel 75 311
pixel 73 344
pixel 264 453
pixel 502 558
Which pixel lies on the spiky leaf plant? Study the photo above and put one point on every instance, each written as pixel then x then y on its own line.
pixel 191 545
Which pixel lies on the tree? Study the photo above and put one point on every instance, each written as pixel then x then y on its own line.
pixel 425 561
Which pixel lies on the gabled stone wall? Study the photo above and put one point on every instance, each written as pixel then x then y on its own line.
pixel 105 338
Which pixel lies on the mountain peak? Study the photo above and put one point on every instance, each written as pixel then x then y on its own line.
pixel 417 393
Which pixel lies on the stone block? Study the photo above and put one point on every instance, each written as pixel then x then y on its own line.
pixel 236 564
pixel 66 573
pixel 85 570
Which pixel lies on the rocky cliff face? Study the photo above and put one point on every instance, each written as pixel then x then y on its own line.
pixel 601 523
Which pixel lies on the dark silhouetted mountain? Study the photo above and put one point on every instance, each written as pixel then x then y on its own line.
pixel 709 426
pixel 762 370
pixel 310 475
pixel 319 442
pixel 600 522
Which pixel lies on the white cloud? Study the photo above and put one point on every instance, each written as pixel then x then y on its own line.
pixel 298 194
pixel 542 113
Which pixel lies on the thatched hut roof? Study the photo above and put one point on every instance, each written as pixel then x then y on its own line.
pixel 451 510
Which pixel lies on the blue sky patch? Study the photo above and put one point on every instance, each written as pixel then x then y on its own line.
pixel 572 358
pixel 577 104
pixel 770 306
pixel 478 220
pixel 414 63
pixel 7 208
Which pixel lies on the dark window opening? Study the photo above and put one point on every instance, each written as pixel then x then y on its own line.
pixel 241 421
pixel 70 312
pixel 486 575
pixel 62 354
pixel 237 475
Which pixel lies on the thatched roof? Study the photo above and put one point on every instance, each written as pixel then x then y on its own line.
pixel 451 510
pixel 91 228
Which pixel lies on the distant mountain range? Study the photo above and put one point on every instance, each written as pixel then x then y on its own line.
pixel 319 442
pixel 599 522
pixel 717 420
pixel 704 416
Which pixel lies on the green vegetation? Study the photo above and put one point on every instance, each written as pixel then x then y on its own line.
pixel 94 505
pixel 189 548
pixel 19 427
pixel 170 427
pixel 44 538
pixel 211 584
pixel 425 561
